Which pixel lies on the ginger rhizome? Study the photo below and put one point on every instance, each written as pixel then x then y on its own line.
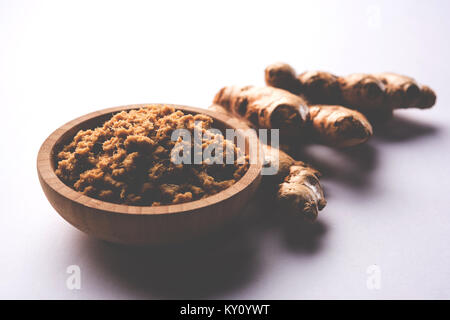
pixel 319 107
pixel 375 95
pixel 338 126
pixel 295 184
pixel 299 192
pixel 272 108
pixel 265 107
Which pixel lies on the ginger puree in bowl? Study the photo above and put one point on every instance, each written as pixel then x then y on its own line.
pixel 129 159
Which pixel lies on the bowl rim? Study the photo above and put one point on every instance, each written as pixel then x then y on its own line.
pixel 48 175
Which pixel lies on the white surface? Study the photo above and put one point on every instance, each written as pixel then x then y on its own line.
pixel 388 202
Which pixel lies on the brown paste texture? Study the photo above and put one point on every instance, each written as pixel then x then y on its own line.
pixel 130 159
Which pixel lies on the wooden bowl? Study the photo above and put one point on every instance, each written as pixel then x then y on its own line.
pixel 139 224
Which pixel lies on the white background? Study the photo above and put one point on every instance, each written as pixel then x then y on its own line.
pixel 388 201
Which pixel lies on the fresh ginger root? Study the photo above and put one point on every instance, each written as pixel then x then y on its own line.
pixel 265 107
pixel 375 95
pixel 338 126
pixel 331 125
pixel 296 184
pixel 283 76
pixel 404 92
pixel 300 191
pixel 314 104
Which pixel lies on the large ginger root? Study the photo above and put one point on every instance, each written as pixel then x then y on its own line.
pixel 375 95
pixel 331 125
pixel 338 126
pixel 296 184
pixel 265 107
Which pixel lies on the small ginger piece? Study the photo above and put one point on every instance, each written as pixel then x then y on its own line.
pixel 338 126
pixel 283 76
pixel 265 107
pixel 297 184
pixel 405 92
pixel 301 192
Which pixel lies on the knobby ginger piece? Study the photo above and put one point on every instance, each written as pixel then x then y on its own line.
pixel 265 107
pixel 405 92
pixel 301 192
pixel 283 76
pixel 338 126
pixel 297 184
pixel 319 87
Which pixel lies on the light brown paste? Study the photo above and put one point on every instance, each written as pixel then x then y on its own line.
pixel 128 159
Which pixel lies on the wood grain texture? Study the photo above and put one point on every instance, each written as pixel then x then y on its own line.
pixel 139 224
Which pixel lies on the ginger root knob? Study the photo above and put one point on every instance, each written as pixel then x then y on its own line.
pixel 301 192
pixel 338 126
